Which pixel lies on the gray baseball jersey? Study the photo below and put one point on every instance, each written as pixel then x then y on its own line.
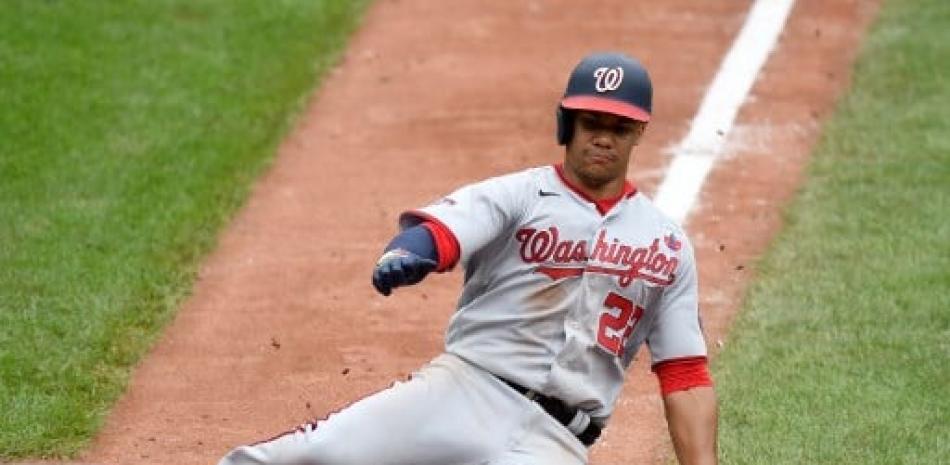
pixel 558 297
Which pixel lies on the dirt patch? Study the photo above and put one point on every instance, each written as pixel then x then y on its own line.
pixel 283 325
pixel 739 209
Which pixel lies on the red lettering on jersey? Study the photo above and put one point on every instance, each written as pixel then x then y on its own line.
pixel 615 329
pixel 600 248
pixel 623 253
pixel 562 253
pixel 524 236
pixel 558 273
pixel 647 263
pixel 580 252
pixel 612 253
pixel 545 245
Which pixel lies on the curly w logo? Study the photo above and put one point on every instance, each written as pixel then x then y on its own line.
pixel 608 79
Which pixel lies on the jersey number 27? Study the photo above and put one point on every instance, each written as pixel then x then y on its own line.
pixel 616 324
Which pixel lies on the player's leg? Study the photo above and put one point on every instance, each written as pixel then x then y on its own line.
pixel 443 415
pixel 544 441
pixel 272 451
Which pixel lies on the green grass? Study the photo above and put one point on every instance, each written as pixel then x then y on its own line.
pixel 842 352
pixel 130 131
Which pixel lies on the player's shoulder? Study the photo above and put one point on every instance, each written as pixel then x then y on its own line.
pixel 517 181
pixel 647 210
pixel 648 213
pixel 530 175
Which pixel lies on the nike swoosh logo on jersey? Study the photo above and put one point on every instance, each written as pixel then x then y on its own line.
pixel 547 194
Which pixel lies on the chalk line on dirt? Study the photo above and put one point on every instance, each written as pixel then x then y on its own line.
pixel 696 154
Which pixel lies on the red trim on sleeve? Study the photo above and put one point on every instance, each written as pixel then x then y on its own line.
pixel 603 205
pixel 446 245
pixel 682 374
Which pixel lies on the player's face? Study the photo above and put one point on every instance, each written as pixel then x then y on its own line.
pixel 600 149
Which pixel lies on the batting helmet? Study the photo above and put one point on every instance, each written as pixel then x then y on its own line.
pixel 608 82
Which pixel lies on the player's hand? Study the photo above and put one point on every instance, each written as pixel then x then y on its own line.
pixel 400 267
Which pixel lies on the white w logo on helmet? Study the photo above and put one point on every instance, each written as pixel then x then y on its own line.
pixel 608 79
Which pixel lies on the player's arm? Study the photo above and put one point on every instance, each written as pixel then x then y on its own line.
pixel 678 349
pixel 439 236
pixel 412 254
pixel 691 410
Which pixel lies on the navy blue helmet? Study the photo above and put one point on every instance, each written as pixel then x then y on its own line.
pixel 608 82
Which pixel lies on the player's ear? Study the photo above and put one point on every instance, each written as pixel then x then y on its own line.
pixel 638 131
pixel 565 126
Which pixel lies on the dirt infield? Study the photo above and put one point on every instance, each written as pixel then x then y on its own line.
pixel 283 325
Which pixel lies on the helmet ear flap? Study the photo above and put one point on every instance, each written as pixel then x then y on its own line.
pixel 565 126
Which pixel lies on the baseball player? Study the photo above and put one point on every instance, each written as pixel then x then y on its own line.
pixel 568 270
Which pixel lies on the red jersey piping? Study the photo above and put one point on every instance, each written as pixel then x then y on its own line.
pixel 603 205
pixel 446 244
pixel 682 374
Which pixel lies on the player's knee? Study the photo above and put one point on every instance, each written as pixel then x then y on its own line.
pixel 286 451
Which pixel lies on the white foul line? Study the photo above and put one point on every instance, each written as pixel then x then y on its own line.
pixel 695 155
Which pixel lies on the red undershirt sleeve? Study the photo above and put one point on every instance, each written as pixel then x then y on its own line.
pixel 682 374
pixel 446 245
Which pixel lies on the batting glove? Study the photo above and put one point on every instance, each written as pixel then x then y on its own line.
pixel 400 267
